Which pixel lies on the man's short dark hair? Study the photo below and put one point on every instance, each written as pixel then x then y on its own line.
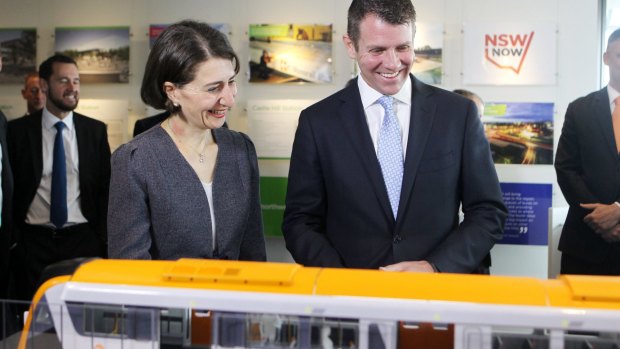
pixel 613 37
pixel 175 57
pixel 467 93
pixel 391 11
pixel 46 69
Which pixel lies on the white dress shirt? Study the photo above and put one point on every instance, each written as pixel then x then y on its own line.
pixel 209 191
pixel 39 211
pixel 613 94
pixel 375 112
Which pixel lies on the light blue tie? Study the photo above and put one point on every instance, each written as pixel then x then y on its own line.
pixel 390 152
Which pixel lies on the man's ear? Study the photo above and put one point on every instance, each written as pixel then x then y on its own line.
pixel 44 86
pixel 605 58
pixel 350 45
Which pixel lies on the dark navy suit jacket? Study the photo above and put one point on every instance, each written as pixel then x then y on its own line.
pixel 26 155
pixel 588 169
pixel 337 209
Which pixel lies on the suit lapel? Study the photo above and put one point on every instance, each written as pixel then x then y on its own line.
pixel 422 116
pixel 354 121
pixel 35 139
pixel 80 138
pixel 602 114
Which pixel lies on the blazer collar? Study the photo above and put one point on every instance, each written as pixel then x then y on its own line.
pixel 423 108
pixel 602 114
pixel 352 115
pixel 353 118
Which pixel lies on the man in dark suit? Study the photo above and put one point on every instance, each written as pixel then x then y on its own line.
pixel 148 122
pixel 59 208
pixel 6 236
pixel 32 93
pixel 587 164
pixel 340 212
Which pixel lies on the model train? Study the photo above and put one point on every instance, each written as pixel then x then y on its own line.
pixel 227 304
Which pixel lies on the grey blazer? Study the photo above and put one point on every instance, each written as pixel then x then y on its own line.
pixel 158 208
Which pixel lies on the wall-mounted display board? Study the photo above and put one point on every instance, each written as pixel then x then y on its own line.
pixel 18 47
pixel 272 198
pixel 156 29
pixel 428 47
pixel 510 54
pixel 528 213
pixel 113 112
pixel 102 53
pixel 520 133
pixel 290 53
pixel 12 106
pixel 272 124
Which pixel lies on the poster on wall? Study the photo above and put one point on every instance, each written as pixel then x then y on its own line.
pixel 272 124
pixel 428 47
pixel 519 133
pixel 509 54
pixel 113 112
pixel 12 106
pixel 102 53
pixel 18 47
pixel 528 210
pixel 290 53
pixel 272 197
pixel 156 29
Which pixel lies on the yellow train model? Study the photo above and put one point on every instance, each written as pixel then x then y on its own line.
pixel 193 303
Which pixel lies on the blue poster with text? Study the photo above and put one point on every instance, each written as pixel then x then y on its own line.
pixel 528 210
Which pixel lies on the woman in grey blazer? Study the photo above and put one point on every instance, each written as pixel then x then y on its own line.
pixel 187 188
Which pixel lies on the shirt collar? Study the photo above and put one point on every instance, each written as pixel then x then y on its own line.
pixel 49 120
pixel 613 94
pixel 370 96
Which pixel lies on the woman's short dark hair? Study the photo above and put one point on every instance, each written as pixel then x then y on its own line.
pixel 175 57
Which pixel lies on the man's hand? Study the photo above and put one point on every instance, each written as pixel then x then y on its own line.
pixel 612 235
pixel 417 266
pixel 603 217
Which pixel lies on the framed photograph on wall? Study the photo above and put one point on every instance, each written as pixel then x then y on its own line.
pixel 156 29
pixel 18 47
pixel 428 47
pixel 102 53
pixel 290 53
pixel 520 133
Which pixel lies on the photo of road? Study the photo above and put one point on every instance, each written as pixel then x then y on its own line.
pixel 290 53
pixel 520 133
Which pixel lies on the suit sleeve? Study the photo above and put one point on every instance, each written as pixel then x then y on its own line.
pixel 253 243
pixel 104 182
pixel 568 162
pixel 305 214
pixel 482 204
pixel 129 219
pixel 138 128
